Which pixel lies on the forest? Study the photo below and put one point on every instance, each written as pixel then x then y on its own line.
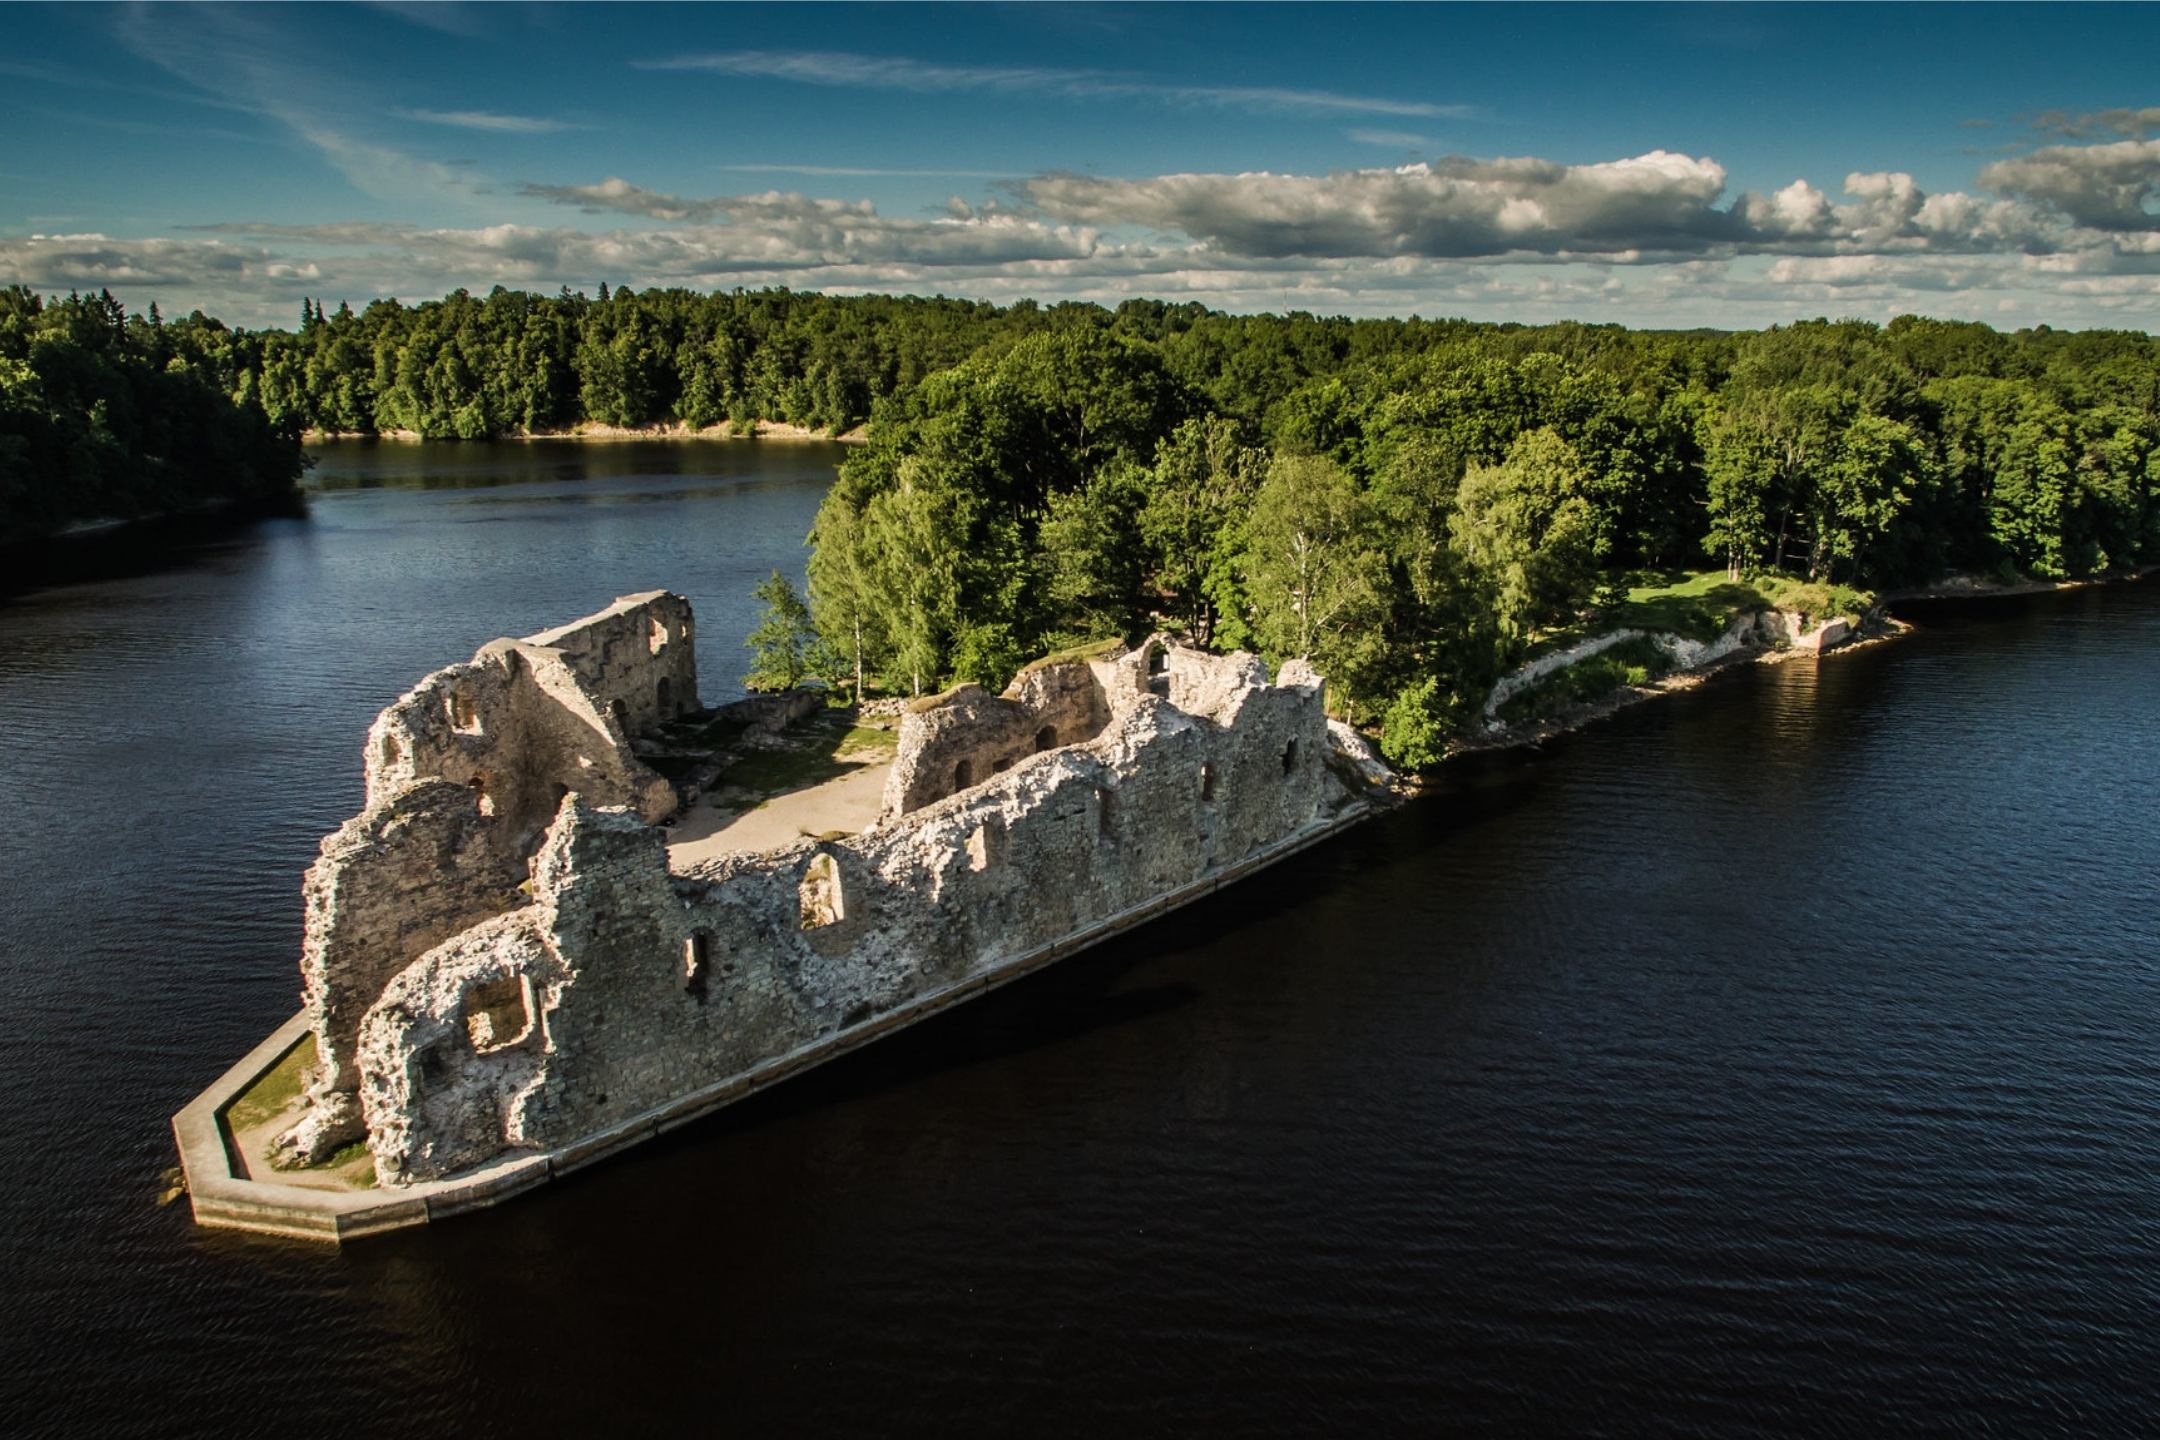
pixel 1414 503
pixel 104 416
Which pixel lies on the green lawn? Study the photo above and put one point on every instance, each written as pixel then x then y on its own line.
pixel 263 1100
pixel 819 749
pixel 1698 604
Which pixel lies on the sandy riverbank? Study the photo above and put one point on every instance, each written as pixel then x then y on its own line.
pixel 766 430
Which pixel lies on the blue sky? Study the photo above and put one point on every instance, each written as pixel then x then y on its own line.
pixel 1650 165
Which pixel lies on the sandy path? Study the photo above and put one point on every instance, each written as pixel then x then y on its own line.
pixel 715 826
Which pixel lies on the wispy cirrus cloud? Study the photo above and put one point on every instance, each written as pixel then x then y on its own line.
pixel 892 72
pixel 851 171
pixel 489 120
pixel 1391 139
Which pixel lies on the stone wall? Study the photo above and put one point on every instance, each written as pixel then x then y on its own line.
pixel 623 986
pixel 964 736
pixel 638 657
pixel 465 773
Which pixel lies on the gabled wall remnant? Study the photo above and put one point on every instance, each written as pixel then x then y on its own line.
pixel 614 987
pixel 465 772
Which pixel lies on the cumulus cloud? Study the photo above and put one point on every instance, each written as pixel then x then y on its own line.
pixel 2106 187
pixel 890 72
pixel 1653 208
pixel 773 232
pixel 1452 207
pixel 1655 238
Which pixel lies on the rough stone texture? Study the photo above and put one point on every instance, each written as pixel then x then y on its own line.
pixel 954 740
pixel 1795 633
pixel 623 987
pixel 465 772
pixel 1687 654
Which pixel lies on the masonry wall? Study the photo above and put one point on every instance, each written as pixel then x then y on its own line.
pixel 641 986
pixel 465 772
pixel 965 736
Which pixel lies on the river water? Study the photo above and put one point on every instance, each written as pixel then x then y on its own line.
pixel 1780 1058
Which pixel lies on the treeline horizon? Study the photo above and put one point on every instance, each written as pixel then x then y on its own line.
pixel 1412 502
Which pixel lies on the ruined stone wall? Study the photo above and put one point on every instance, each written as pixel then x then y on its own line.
pixel 465 772
pixel 966 735
pixel 637 657
pixel 623 986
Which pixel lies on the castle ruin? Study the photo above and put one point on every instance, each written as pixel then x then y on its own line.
pixel 500 960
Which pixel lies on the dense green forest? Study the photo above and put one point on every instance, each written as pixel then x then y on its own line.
pixel 107 417
pixel 1414 503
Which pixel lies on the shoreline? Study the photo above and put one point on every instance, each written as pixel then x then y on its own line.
pixel 1577 717
pixel 1981 587
pixel 593 431
pixel 1879 628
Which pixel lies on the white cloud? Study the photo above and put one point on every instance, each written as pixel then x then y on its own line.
pixel 1451 207
pixel 490 121
pixel 1650 239
pixel 1391 139
pixel 892 72
pixel 2106 187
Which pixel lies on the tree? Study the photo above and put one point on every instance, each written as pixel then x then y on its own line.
pixel 842 598
pixel 913 551
pixel 1527 528
pixel 1317 572
pixel 783 638
pixel 1203 480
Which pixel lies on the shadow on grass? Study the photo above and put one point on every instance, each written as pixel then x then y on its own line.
pixel 821 749
pixel 1700 612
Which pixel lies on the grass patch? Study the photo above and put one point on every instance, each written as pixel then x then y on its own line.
pixel 1092 650
pixel 1698 605
pixel 819 750
pixel 1631 662
pixel 354 1164
pixel 1814 599
pixel 268 1097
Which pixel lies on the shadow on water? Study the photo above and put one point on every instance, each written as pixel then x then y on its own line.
pixel 139 547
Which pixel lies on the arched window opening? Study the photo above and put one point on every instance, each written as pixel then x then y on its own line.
pixel 478 786
pixel 1289 757
pixel 662 692
pixel 1105 816
pixel 656 636
pixel 621 712
pixel 822 900
pixel 963 775
pixel 1158 659
pixel 390 750
pixel 1046 739
pixel 1207 783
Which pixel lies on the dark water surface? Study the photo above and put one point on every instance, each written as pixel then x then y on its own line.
pixel 1782 1058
